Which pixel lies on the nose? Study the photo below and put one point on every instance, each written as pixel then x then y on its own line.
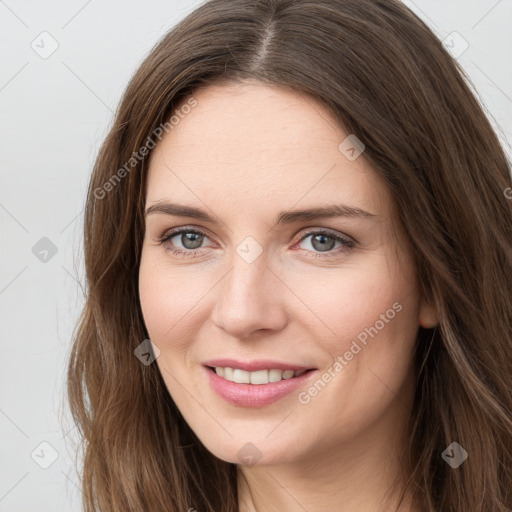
pixel 249 298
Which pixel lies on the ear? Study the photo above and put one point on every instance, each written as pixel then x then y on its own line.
pixel 428 315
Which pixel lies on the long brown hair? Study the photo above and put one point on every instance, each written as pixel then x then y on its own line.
pixel 389 81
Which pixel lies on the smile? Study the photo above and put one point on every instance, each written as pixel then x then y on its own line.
pixel 258 377
pixel 254 384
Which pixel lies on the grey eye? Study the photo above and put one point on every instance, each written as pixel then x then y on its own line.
pixel 190 239
pixel 323 242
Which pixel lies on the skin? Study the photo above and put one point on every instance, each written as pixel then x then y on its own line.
pixel 243 154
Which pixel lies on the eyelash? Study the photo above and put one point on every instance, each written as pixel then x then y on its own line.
pixel 347 244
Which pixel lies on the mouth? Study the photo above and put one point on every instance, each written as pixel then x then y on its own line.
pixel 258 377
pixel 255 384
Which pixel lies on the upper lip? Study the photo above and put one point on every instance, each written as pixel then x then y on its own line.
pixel 253 366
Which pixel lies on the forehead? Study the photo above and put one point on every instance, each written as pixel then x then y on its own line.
pixel 252 145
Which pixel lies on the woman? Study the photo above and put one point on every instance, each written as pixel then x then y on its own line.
pixel 303 207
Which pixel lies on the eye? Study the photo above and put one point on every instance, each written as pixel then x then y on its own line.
pixel 324 241
pixel 183 241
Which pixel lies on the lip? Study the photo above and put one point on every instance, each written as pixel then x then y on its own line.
pixel 254 366
pixel 255 395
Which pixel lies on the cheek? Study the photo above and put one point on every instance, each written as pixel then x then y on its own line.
pixel 154 298
pixel 170 300
pixel 169 297
pixel 374 318
pixel 342 303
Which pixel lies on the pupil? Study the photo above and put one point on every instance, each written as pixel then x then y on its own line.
pixel 191 240
pixel 319 242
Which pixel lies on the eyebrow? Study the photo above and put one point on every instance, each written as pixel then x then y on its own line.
pixel 284 217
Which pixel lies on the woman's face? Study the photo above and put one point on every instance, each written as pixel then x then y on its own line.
pixel 285 260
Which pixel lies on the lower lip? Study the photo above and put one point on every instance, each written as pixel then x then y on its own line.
pixel 255 395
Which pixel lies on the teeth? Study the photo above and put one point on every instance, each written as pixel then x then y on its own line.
pixel 257 377
pixel 241 376
pixel 275 375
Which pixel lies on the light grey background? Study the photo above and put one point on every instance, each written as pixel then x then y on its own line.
pixel 54 113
